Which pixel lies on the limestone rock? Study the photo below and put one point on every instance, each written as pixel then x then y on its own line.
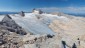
pixel 11 25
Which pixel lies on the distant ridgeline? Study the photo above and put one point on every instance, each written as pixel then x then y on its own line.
pixel 80 15
pixel 2 13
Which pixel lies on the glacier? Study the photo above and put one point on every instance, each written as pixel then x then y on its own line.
pixel 35 23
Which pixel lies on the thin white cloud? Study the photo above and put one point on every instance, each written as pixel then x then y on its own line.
pixel 65 9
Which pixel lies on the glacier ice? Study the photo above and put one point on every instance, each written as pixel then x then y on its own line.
pixel 32 24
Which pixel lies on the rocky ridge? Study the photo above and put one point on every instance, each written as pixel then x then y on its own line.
pixel 11 25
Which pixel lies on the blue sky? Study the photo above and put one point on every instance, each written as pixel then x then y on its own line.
pixel 71 6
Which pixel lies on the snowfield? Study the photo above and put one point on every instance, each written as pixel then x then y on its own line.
pixel 35 23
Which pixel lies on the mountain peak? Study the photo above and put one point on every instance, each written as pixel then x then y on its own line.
pixel 6 18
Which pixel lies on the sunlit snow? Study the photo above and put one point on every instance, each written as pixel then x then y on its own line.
pixel 31 23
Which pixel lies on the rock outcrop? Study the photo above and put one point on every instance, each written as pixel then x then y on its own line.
pixel 11 25
pixel 37 11
pixel 22 13
pixel 9 39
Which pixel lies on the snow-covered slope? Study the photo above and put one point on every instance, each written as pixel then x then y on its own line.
pixel 35 23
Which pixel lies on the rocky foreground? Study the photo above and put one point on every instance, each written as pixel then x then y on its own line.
pixel 10 39
pixel 69 32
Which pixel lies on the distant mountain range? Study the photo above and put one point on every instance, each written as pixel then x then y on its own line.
pixel 1 13
pixel 81 15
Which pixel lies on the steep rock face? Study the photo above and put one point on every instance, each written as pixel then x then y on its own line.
pixel 7 21
pixel 11 25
